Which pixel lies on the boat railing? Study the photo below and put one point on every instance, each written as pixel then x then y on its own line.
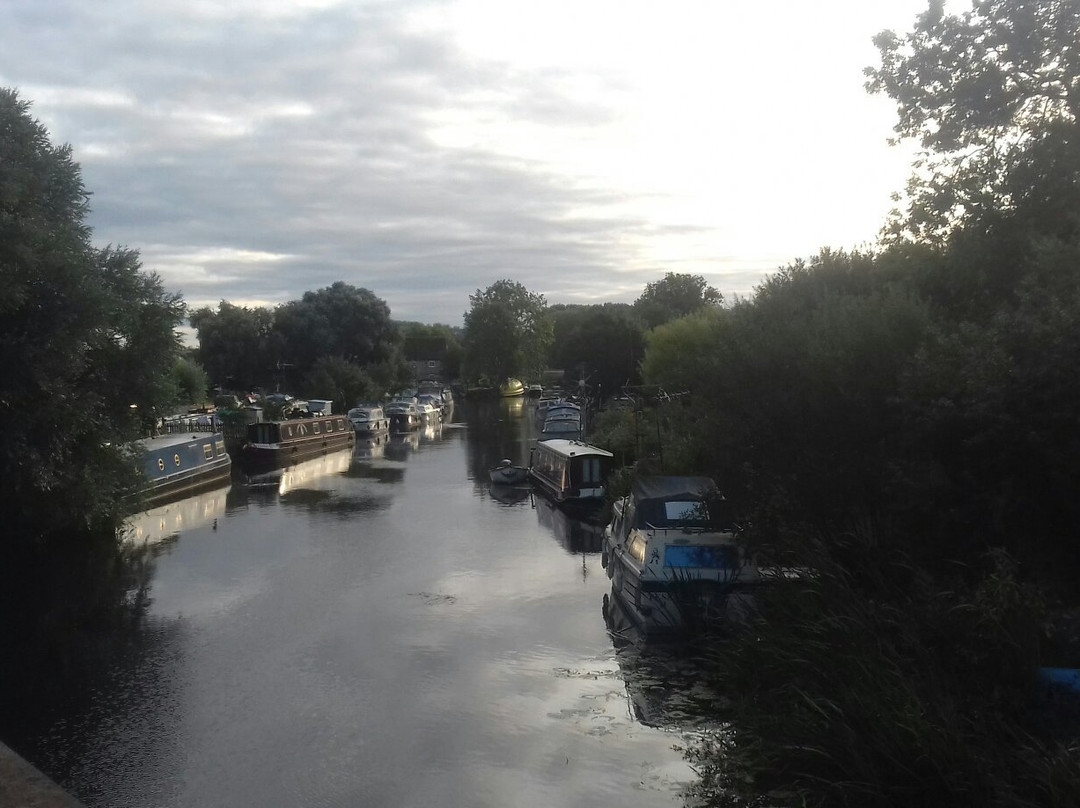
pixel 185 426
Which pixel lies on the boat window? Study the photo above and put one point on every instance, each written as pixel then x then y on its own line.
pixel 636 548
pixel 340 423
pixel 208 451
pixel 684 512
pixel 315 428
pixel 714 557
pixel 219 447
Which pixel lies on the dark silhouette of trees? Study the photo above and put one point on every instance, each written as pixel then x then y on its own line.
pixel 673 296
pixel 87 344
pixel 508 332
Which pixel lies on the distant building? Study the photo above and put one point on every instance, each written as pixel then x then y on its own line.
pixel 427 355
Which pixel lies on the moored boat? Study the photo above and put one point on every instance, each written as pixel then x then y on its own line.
pixel 572 473
pixel 506 473
pixel 276 444
pixel 368 419
pixel 673 559
pixel 404 416
pixel 511 388
pixel 177 465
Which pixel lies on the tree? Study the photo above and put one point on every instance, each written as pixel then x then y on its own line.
pixel 450 339
pixel 674 296
pixel 604 342
pixel 340 320
pixel 508 332
pixel 87 344
pixel 977 90
pixel 190 380
pixel 236 344
pixel 341 381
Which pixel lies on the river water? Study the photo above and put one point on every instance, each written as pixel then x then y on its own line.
pixel 376 627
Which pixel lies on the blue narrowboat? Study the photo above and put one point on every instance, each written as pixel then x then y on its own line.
pixel 177 465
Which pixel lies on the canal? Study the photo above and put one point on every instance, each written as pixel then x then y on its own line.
pixel 376 627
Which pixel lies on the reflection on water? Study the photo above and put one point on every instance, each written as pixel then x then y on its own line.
pixel 361 631
pixel 167 521
pixel 371 447
pixel 303 475
pixel 399 446
pixel 668 684
pixel 574 535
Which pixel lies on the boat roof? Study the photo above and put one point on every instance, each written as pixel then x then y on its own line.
pixel 159 442
pixel 573 448
pixel 671 487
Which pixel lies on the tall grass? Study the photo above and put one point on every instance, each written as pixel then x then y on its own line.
pixel 869 686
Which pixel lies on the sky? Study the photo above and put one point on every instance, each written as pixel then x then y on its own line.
pixel 253 150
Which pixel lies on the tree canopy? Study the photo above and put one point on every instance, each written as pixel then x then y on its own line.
pixel 673 296
pixel 87 342
pixel 508 332
pixel 979 90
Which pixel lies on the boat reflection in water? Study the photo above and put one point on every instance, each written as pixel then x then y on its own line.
pixel 510 495
pixel 429 433
pixel 371 448
pixel 573 534
pixel 303 475
pixel 168 521
pixel 668 684
pixel 399 446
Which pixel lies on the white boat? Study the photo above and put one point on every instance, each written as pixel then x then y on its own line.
pixel 404 415
pixel 673 559
pixel 565 425
pixel 368 419
pixel 430 415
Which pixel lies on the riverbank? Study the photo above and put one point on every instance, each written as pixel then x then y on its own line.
pixel 23 786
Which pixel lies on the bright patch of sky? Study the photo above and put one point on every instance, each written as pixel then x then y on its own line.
pixel 424 149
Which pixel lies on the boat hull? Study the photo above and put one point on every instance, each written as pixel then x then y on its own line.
pixel 278 444
pixel 177 466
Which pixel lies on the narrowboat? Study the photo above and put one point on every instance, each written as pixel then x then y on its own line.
pixel 179 464
pixel 673 559
pixel 276 444
pixel 572 473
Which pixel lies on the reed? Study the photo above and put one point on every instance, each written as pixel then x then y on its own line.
pixel 870 684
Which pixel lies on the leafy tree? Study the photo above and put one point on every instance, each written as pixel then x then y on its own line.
pixel 340 320
pixel 674 296
pixel 450 337
pixel 341 381
pixel 605 342
pixel 190 380
pixel 977 90
pixel 87 343
pixel 508 332
pixel 236 344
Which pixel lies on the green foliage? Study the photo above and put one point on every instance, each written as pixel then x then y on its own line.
pixel 190 380
pixel 236 345
pixel 87 343
pixel 508 332
pixel 604 343
pixel 976 89
pixel 675 295
pixel 341 381
pixel 340 320
pixel 449 338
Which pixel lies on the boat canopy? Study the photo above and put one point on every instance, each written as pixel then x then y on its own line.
pixel 679 502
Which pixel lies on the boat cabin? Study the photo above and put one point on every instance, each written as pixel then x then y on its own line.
pixel 570 470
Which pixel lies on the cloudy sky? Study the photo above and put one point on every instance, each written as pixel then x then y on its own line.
pixel 252 150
